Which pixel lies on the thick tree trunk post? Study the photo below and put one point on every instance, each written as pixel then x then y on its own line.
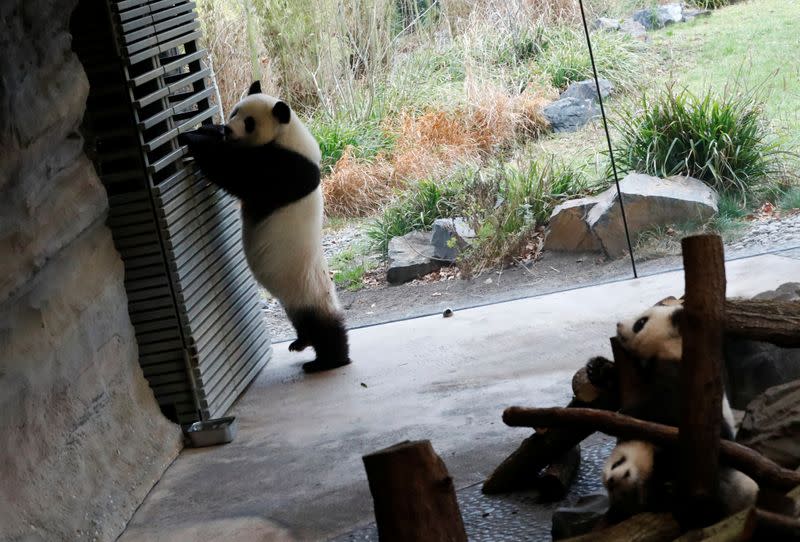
pixel 701 380
pixel 761 469
pixel 776 322
pixel 413 495
pixel 555 479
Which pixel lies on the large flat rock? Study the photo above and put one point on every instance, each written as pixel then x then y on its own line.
pixel 568 230
pixel 570 114
pixel 649 202
pixel 410 257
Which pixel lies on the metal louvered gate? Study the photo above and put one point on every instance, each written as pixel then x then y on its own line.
pixel 192 300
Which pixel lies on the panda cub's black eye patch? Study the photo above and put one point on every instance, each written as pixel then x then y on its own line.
pixel 637 327
pixel 249 124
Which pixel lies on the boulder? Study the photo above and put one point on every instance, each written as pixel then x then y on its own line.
pixel 649 202
pixel 692 13
pixel 634 29
pixel 568 229
pixel 789 291
pixel 450 236
pixel 606 23
pixel 571 521
pixel 411 257
pixel 659 17
pixel 753 367
pixel 587 90
pixel 569 114
pixel 771 425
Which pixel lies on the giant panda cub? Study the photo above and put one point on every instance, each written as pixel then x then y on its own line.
pixel 268 159
pixel 638 475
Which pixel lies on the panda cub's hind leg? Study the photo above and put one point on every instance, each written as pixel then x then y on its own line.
pixel 326 333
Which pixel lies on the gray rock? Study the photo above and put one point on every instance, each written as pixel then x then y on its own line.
pixel 789 291
pixel 649 202
pixel 692 13
pixel 570 114
pixel 606 23
pixel 771 425
pixel 587 90
pixel 634 29
pixel 568 229
pixel 753 367
pixel 410 257
pixel 659 17
pixel 450 236
pixel 579 519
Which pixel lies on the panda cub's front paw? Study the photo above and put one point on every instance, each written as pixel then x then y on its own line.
pixel 627 474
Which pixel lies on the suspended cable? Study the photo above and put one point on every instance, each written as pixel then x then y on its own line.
pixel 608 139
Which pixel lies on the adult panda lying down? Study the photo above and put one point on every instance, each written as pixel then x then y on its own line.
pixel 268 159
pixel 638 475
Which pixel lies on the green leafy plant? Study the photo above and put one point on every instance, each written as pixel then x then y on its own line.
pixel 416 209
pixel 722 140
pixel 349 268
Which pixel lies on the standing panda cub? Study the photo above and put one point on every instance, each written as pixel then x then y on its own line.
pixel 638 475
pixel 268 159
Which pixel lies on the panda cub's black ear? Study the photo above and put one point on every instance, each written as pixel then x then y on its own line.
pixel 255 88
pixel 282 112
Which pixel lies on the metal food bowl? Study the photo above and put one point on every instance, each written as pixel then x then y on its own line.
pixel 212 432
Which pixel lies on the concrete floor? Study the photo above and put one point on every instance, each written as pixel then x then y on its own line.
pixel 295 471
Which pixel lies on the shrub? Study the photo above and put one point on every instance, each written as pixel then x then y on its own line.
pixel 416 209
pixel 709 4
pixel 365 140
pixel 722 140
pixel 565 57
pixel 349 267
pixel 790 199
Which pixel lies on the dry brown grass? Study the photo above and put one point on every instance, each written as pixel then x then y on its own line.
pixel 433 145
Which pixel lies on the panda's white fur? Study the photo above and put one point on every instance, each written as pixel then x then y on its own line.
pixel 267 158
pixel 654 335
pixel 299 277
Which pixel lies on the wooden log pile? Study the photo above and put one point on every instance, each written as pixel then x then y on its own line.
pixel 708 318
pixel 414 496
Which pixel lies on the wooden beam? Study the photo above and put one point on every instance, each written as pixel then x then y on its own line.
pixel 413 494
pixel 647 527
pixel 736 528
pixel 555 480
pixel 700 380
pixel 521 469
pixel 750 462
pixel 776 322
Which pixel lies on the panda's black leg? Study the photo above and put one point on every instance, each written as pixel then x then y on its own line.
pixel 299 345
pixel 328 336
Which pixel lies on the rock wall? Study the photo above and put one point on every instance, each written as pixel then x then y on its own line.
pixel 83 438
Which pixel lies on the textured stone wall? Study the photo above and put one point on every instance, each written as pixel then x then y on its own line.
pixel 83 440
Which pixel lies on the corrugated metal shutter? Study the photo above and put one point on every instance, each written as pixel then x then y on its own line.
pixel 192 300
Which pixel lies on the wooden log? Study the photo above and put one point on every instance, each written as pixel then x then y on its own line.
pixel 776 322
pixel 750 462
pixel 520 470
pixel 701 380
pixel 772 526
pixel 736 528
pixel 413 494
pixel 555 480
pixel 647 527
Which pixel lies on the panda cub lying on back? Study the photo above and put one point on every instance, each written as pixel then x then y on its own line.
pixel 638 475
pixel 267 158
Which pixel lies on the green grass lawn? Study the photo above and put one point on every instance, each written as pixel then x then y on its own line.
pixel 754 43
